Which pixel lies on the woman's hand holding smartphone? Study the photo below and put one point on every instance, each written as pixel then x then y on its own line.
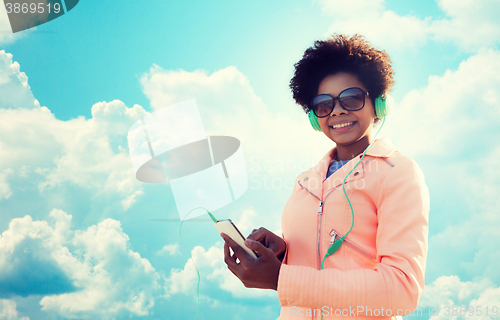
pixel 262 272
pixel 270 240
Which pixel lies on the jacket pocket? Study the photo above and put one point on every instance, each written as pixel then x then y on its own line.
pixel 335 235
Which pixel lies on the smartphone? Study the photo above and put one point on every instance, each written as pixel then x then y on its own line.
pixel 228 227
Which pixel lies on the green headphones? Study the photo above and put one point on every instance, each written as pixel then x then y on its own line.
pixel 381 107
pixel 380 112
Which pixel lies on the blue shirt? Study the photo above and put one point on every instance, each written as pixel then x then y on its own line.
pixel 334 166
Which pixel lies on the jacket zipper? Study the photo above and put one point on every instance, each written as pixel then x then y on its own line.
pixel 335 235
pixel 320 213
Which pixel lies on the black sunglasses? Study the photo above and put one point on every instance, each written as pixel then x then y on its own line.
pixel 351 99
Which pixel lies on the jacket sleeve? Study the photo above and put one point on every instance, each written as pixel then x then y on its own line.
pixel 397 281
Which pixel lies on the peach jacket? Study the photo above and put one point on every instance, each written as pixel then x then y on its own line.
pixel 379 269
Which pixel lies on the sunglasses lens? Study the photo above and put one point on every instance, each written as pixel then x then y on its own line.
pixel 352 99
pixel 322 105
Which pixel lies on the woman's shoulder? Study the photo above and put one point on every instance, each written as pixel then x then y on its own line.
pixel 394 166
pixel 404 169
pixel 398 158
pixel 388 152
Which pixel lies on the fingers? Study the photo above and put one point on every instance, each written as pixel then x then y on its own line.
pixel 269 239
pixel 230 261
pixel 253 273
pixel 228 258
pixel 258 234
pixel 238 252
pixel 259 248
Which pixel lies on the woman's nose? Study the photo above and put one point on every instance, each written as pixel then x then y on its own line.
pixel 337 109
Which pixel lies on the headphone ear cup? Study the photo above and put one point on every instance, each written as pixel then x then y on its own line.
pixel 314 121
pixel 381 106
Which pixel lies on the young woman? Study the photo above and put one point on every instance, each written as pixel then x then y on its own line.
pixel 356 253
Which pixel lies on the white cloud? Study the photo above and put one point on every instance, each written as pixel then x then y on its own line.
pixel 466 240
pixel 6 35
pixel 20 22
pixel 34 144
pixel 14 88
pixel 250 219
pixel 212 269
pixel 170 249
pixel 88 158
pixel 352 9
pixel 448 291
pixel 455 115
pixel 85 274
pixel 115 279
pixel 467 248
pixel 469 24
pixel 77 151
pixel 385 29
pixel 484 203
pixel 114 119
pixel 454 121
pixel 229 106
pixel 488 298
pixel 28 263
pixel 5 190
pixel 8 311
pixel 131 199
pixel 247 221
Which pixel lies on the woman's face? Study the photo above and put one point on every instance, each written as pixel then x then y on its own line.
pixel 352 139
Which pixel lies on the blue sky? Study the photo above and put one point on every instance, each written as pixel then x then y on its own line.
pixel 82 238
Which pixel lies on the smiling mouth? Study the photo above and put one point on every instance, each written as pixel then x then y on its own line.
pixel 342 125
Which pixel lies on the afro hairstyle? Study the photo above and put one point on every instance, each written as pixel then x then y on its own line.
pixel 341 54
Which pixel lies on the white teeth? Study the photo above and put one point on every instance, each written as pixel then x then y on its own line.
pixel 337 126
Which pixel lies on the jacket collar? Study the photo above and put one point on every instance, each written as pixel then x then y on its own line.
pixel 313 179
pixel 381 148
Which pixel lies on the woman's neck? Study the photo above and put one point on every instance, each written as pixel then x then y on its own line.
pixel 350 151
